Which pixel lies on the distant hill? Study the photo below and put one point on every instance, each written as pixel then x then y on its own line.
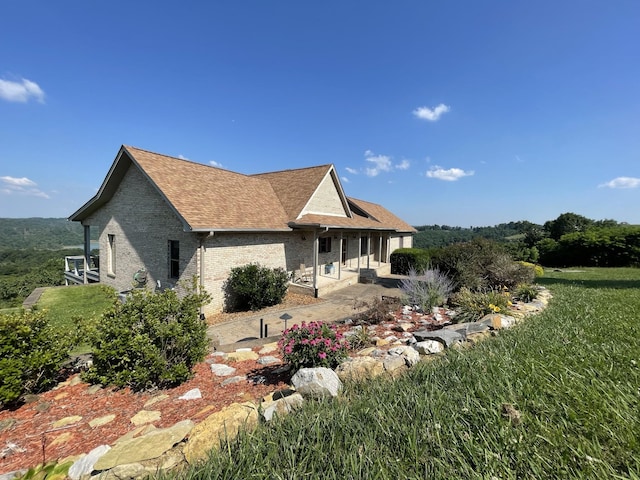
pixel 443 235
pixel 40 233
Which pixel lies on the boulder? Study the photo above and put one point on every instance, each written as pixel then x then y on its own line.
pixel 447 337
pixel 393 363
pixel 429 347
pixel 282 406
pixel 84 465
pixel 408 354
pixel 145 447
pixel 497 321
pixel 359 369
pixel 319 383
pixel 217 427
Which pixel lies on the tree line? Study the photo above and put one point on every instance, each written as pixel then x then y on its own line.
pixel 568 240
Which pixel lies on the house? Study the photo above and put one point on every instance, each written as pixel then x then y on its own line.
pixel 162 220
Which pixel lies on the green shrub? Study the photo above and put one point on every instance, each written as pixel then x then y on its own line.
pixel 315 344
pixel 429 289
pixel 252 287
pixel 405 259
pixel 481 265
pixel 151 340
pixel 525 292
pixel 472 306
pixel 31 354
pixel 537 269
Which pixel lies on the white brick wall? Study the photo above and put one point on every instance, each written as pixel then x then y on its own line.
pixel 142 224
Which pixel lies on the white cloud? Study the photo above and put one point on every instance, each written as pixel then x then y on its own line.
pixel 403 165
pixel 21 186
pixel 344 179
pixel 182 157
pixel 431 114
pixel 215 164
pixel 622 182
pixel 449 175
pixel 18 182
pixel 352 171
pixel 21 91
pixel 381 163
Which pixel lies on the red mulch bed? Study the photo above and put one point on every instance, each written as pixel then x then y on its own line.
pixel 30 426
pixel 33 432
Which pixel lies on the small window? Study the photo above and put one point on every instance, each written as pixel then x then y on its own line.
pixel 174 259
pixel 324 245
pixel 111 255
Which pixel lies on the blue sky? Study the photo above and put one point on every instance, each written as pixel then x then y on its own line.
pixel 466 113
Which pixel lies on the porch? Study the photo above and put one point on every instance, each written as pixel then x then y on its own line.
pixel 74 270
pixel 330 280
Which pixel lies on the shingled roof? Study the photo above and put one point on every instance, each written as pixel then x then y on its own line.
pixel 207 198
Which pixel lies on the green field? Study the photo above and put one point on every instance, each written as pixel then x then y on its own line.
pixel 556 397
pixel 65 305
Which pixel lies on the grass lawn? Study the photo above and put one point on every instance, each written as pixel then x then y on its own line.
pixel 63 304
pixel 556 397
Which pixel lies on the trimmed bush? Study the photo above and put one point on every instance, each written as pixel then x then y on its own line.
pixel 429 289
pixel 31 354
pixel 253 286
pixel 152 340
pixel 405 259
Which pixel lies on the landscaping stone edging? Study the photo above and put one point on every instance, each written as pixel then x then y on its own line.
pixel 148 450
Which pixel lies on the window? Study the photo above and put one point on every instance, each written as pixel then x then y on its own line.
pixel 111 255
pixel 364 246
pixel 174 259
pixel 324 245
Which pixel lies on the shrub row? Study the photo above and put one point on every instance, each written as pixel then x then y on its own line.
pixel 403 260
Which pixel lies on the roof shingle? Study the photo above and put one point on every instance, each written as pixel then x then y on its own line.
pixel 210 198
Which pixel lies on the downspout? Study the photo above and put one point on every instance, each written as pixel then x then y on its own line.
pixel 203 251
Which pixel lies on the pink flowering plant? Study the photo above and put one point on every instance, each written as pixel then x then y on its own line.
pixel 313 344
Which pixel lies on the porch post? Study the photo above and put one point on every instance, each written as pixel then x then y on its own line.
pixel 368 249
pixel 315 261
pixel 380 250
pixel 340 257
pixel 87 252
pixel 388 255
pixel 359 236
